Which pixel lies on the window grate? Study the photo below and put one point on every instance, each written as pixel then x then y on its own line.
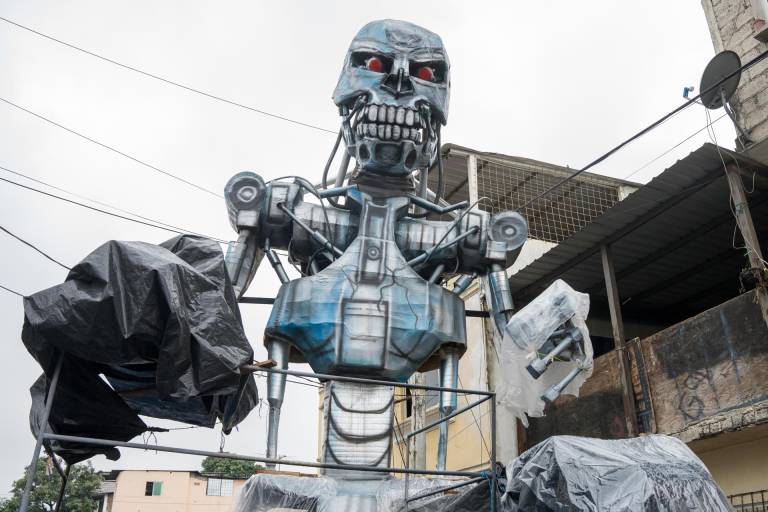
pixel 554 217
pixel 756 501
pixel 219 487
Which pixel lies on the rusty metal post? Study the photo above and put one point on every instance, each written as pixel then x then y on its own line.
pixel 617 324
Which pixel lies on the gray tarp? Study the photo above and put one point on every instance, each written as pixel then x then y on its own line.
pixel 651 473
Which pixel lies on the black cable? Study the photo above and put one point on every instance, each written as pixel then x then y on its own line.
pixel 106 212
pixel 440 180
pixel 176 229
pixel 17 237
pixel 440 173
pixel 451 228
pixel 11 291
pixel 647 129
pixel 330 158
pixel 313 190
pixel 477 423
pixel 166 80
pixel 126 155
pixel 672 148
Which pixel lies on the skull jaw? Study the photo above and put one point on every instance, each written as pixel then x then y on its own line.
pixel 387 157
pixel 379 152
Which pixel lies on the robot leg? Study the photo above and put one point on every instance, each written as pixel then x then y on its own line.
pixel 449 374
pixel 278 352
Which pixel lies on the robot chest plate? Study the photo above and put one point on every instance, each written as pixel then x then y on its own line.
pixel 368 312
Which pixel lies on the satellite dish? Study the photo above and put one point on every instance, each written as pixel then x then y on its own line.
pixel 721 65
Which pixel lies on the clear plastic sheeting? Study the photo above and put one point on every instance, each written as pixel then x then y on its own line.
pixel 265 492
pixel 525 335
pixel 652 473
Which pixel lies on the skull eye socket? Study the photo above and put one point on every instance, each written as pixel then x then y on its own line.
pixel 426 73
pixel 371 62
pixel 433 71
pixel 374 64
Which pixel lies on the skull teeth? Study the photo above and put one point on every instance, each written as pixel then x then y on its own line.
pixel 400 116
pixel 389 122
pixel 409 118
pixel 390 132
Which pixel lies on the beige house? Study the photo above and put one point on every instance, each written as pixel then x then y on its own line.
pixel 167 491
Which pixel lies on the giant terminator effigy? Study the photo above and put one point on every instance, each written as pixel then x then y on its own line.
pixel 371 301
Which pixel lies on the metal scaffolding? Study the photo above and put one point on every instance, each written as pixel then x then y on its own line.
pixel 471 476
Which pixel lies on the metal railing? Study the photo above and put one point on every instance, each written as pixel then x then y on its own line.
pixel 472 476
pixel 755 501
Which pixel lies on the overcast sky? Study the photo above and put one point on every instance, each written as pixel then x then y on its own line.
pixel 560 82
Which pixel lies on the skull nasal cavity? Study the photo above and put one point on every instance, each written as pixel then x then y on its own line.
pixel 398 84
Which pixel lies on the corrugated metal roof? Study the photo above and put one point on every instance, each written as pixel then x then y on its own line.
pixel 671 240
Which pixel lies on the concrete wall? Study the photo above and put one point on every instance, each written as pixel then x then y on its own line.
pixel 712 363
pixel 738 468
pixel 598 412
pixel 732 26
pixel 183 491
pixel 705 376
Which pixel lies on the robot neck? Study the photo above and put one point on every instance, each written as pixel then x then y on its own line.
pixel 382 185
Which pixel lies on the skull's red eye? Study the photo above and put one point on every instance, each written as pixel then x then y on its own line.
pixel 426 73
pixel 374 64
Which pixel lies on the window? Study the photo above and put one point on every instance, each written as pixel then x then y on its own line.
pixel 431 398
pixel 153 489
pixel 219 487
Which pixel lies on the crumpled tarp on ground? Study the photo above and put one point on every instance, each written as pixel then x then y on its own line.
pixel 160 323
pixel 264 492
pixel 651 473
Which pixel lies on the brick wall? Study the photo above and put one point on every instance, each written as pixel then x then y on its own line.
pixel 732 27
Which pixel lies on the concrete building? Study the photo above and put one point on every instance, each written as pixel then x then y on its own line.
pixel 740 26
pixel 679 311
pixel 167 491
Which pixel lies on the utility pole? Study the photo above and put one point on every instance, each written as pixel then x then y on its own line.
pixel 748 233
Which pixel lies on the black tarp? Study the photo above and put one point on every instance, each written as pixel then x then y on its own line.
pixel 145 329
pixel 650 473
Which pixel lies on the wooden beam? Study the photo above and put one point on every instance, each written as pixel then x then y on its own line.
pixel 617 325
pixel 418 443
pixel 472 177
pixel 748 233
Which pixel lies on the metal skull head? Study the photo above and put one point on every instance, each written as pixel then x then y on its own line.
pixel 394 92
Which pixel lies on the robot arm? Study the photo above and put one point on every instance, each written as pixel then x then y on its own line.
pixel 244 194
pixel 507 232
pixel 250 204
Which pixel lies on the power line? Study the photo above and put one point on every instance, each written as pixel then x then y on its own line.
pixel 645 130
pixel 168 81
pixel 175 229
pixel 17 237
pixel 11 291
pixel 104 211
pixel 672 148
pixel 477 423
pixel 121 153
